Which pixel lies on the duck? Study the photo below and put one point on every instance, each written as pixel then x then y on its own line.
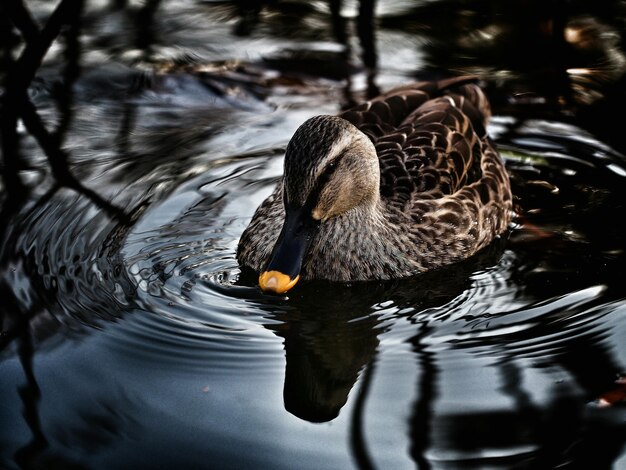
pixel 401 184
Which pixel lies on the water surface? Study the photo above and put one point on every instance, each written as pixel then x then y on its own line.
pixel 131 338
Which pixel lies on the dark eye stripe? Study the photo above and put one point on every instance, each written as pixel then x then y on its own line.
pixel 313 199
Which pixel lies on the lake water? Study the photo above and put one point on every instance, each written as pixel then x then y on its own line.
pixel 130 337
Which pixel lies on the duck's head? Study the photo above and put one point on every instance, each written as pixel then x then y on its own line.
pixel 331 168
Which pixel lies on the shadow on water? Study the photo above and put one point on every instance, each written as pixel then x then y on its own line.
pixel 130 168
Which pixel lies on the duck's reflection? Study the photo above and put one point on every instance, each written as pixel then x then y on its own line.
pixel 326 347
pixel 324 355
pixel 331 330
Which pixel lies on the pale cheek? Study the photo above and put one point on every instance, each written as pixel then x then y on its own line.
pixel 339 199
pixel 328 203
pixel 325 210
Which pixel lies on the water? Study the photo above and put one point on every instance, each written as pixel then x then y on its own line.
pixel 131 339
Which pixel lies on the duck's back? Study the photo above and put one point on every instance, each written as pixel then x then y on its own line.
pixel 429 137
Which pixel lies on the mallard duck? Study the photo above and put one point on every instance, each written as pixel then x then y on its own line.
pixel 401 184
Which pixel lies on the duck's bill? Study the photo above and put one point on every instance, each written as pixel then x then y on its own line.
pixel 277 282
pixel 283 270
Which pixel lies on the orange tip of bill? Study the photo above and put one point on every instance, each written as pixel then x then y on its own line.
pixel 277 282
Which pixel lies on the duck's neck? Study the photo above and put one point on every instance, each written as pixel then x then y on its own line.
pixel 361 244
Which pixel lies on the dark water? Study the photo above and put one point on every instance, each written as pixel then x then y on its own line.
pixel 130 338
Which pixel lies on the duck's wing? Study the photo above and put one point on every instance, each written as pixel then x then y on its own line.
pixel 429 138
pixel 380 115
